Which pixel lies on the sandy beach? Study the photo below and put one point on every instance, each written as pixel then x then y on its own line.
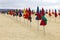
pixel 12 28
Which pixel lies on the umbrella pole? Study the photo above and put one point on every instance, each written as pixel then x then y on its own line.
pixel 37 25
pixel 44 30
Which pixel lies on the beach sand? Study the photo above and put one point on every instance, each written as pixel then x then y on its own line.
pixel 15 28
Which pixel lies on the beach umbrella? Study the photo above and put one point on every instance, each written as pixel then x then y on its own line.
pixel 38 17
pixel 32 12
pixel 10 12
pixel 43 23
pixel 46 11
pixel 55 14
pixel 26 15
pixel 20 13
pixel 29 18
pixel 43 12
pixel 16 12
pixel 38 14
pixel 43 20
pixel 50 13
pixel 59 13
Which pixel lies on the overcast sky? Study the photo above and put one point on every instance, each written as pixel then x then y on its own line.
pixel 19 4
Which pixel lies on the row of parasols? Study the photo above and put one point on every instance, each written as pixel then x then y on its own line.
pixel 40 14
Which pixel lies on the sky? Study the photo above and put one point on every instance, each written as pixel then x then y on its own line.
pixel 20 4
